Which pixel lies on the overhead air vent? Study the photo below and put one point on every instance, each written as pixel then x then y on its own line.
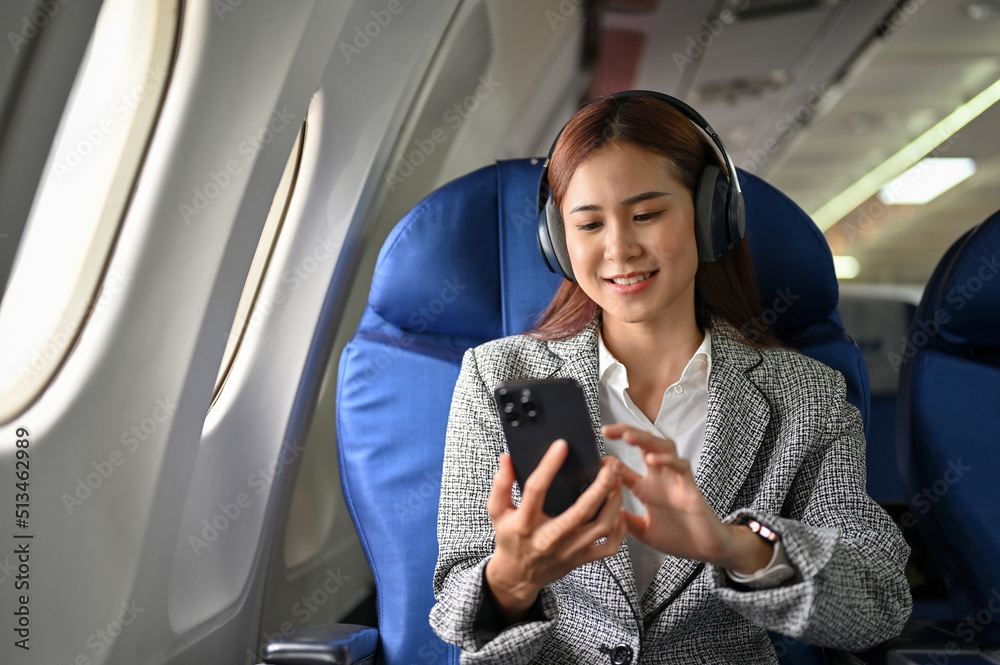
pixel 735 90
pixel 748 10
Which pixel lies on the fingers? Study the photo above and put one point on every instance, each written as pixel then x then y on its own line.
pixel 604 523
pixel 656 463
pixel 607 524
pixel 503 481
pixel 639 437
pixel 575 540
pixel 610 460
pixel 636 525
pixel 572 526
pixel 537 484
pixel 614 534
pixel 669 461
pixel 607 481
pixel 660 453
pixel 629 477
pixel 589 502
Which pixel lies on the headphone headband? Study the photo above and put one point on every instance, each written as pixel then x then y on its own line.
pixel 684 108
pixel 719 214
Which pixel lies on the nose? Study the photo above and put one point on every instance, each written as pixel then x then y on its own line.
pixel 620 242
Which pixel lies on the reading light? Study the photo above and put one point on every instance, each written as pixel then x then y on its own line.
pixel 846 267
pixel 842 204
pixel 930 178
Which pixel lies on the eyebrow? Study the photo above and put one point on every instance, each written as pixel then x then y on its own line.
pixel 632 200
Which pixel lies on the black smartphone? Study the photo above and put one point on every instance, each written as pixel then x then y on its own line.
pixel 537 412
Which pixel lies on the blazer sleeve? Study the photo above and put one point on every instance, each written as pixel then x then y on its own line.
pixel 466 540
pixel 850 591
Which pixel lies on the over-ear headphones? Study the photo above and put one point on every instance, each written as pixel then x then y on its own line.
pixel 720 221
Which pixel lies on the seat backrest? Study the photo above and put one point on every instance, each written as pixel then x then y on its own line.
pixel 877 318
pixel 948 419
pixel 462 268
pixel 449 276
pixel 798 285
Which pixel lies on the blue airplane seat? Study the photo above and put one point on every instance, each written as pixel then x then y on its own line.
pixel 947 425
pixel 461 268
pixel 877 322
pixel 798 285
pixel 449 276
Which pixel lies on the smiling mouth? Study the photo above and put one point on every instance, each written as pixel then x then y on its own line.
pixel 633 279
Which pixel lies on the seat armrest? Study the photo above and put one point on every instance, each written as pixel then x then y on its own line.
pixel 933 642
pixel 332 644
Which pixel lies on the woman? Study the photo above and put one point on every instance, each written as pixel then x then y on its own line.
pixel 731 500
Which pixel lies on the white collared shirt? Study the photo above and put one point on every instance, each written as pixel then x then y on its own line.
pixel 681 418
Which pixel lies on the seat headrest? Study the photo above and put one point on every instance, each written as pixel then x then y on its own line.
pixel 963 294
pixel 794 266
pixel 455 263
pixel 465 262
pixel 438 270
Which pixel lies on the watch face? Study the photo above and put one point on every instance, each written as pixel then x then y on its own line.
pixel 762 530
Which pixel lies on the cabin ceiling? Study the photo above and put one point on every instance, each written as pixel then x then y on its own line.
pixel 813 94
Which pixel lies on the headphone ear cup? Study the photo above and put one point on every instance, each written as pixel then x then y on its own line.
pixel 556 231
pixel 736 214
pixel 710 214
pixel 552 240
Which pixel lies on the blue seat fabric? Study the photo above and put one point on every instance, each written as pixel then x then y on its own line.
pixel 948 419
pixel 462 268
pixel 791 259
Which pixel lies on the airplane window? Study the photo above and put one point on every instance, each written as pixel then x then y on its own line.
pixel 82 196
pixel 248 312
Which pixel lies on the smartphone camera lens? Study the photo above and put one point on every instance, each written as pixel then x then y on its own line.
pixel 528 406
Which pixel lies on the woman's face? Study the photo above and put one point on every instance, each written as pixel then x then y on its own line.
pixel 630 236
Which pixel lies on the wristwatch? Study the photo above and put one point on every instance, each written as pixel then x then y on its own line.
pixel 778 569
pixel 761 530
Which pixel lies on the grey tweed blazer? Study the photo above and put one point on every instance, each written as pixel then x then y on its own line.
pixel 782 444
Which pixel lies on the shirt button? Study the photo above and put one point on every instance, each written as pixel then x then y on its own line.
pixel 622 655
pixel 678 389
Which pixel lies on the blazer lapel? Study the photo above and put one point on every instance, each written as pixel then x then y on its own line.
pixel 736 420
pixel 578 356
pixel 579 361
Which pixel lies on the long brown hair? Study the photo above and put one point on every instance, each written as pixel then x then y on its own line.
pixel 726 288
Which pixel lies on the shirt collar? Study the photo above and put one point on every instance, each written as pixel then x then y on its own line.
pixel 608 367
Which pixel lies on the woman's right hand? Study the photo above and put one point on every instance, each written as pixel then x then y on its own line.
pixel 533 549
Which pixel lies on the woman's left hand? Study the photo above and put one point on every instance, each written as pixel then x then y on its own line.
pixel 678 520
